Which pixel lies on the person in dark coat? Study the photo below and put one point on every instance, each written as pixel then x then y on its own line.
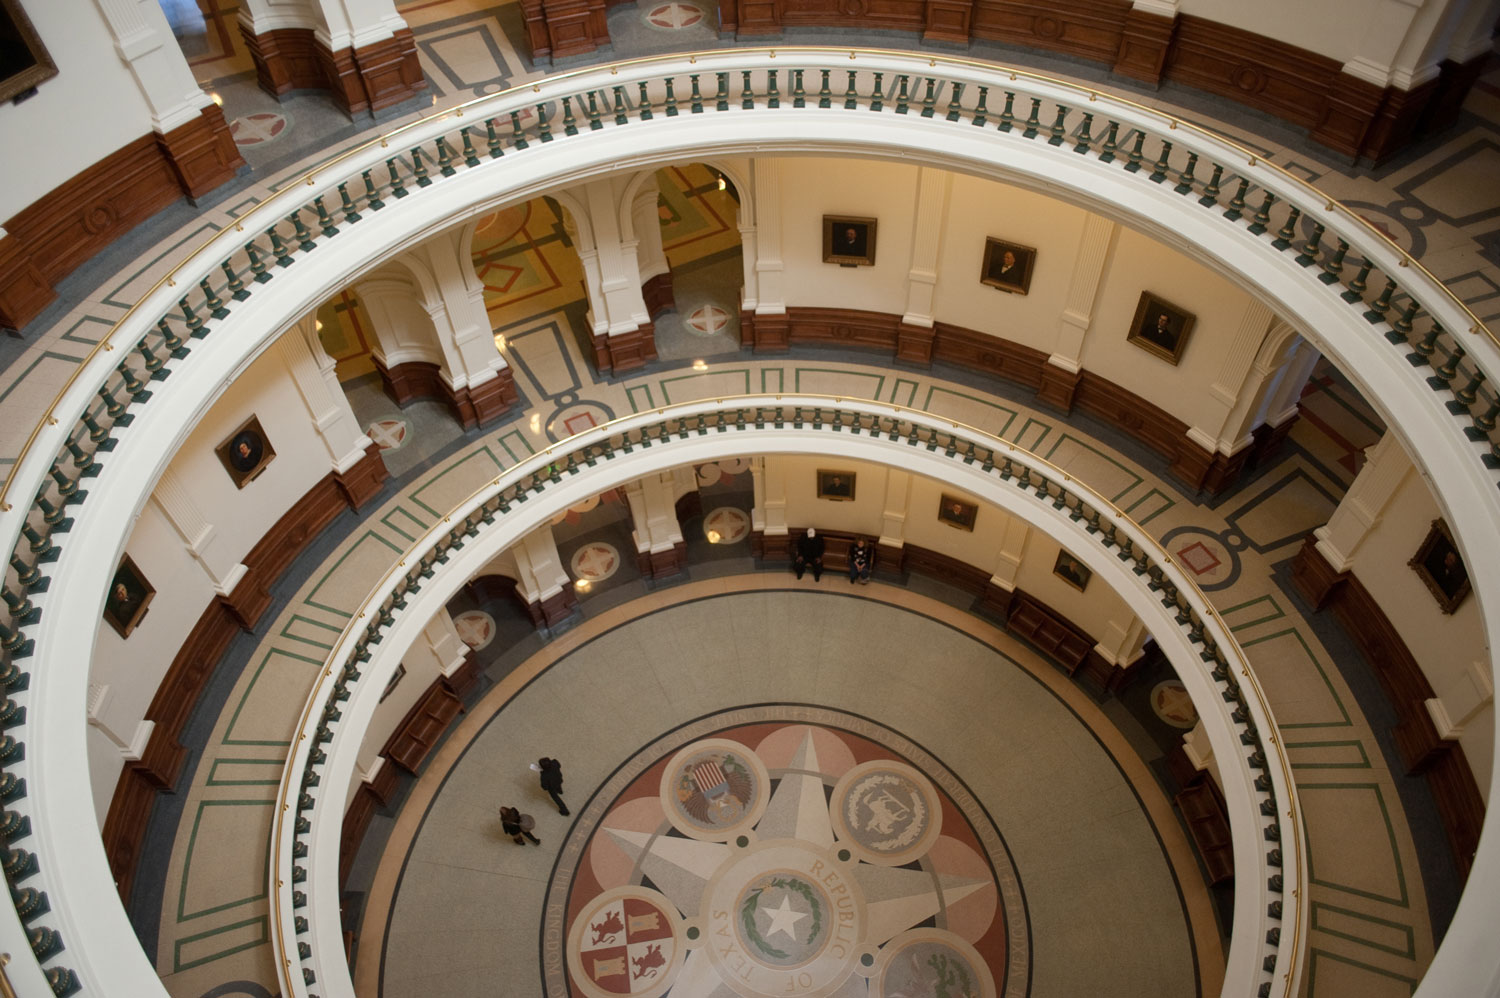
pixel 861 561
pixel 518 826
pixel 552 781
pixel 809 554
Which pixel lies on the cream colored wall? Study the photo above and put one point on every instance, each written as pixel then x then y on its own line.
pixel 134 667
pixel 1445 645
pixel 1093 610
pixel 88 110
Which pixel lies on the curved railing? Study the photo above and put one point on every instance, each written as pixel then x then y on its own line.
pixel 1269 930
pixel 1417 351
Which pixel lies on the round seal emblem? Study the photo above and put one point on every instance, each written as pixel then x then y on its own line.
pixel 886 812
pixel 931 961
pixel 628 941
pixel 714 789
pixel 784 917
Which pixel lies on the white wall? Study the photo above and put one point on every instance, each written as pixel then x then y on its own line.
pixel 88 110
pixel 133 668
pixel 1446 646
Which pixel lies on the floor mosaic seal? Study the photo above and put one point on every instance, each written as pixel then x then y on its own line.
pixel 784 850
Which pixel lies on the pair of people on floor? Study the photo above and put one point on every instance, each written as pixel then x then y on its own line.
pixel 517 825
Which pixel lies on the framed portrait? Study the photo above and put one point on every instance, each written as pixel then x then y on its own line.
pixel 24 62
pixel 1160 327
pixel 393 682
pixel 836 485
pixel 956 512
pixel 849 241
pixel 128 597
pixel 1439 565
pixel 246 453
pixel 1007 266
pixel 1072 571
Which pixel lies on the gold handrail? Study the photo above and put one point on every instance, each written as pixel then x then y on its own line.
pixel 1291 942
pixel 6 991
pixel 1476 325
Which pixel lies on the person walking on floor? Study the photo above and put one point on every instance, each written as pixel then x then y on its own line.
pixel 518 826
pixel 861 561
pixel 552 781
pixel 809 554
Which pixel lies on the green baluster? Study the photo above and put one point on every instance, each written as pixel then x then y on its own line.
pixel 747 91
pixel 28 575
pixel 1033 122
pixel 955 96
pixel 444 158
pixel 471 157
pixel 154 364
pixel 672 97
pixel 621 117
pixel 981 110
pixel 851 95
pixel 304 237
pixel 1236 207
pixel 517 136
pixel 83 461
pixel 1211 192
pixel 211 301
pixel 41 547
pixel 877 96
pixel 1134 157
pixel 53 516
pixel 1311 248
pixel 1007 115
pixel 1085 137
pixel 134 385
pixel 1107 151
pixel 1491 461
pixel 419 168
pixel 1402 327
pixel 1357 286
pixel 721 92
pixel 1059 129
pixel 1483 424
pixel 67 487
pixel 1262 217
pixel 492 139
pixel 1334 264
pixel 595 123
pixel 372 193
pixel 257 265
pixel 543 124
pixel 695 99
pixel 278 250
pixel 98 435
pixel 170 339
pixel 1424 348
pixel 570 124
pixel 1288 231
pixel 194 324
pixel 1467 395
pixel 1381 305
pixel 16 645
pixel 1185 179
pixel 773 96
pixel 112 406
pixel 929 99
pixel 1159 171
pixel 645 104
pixel 398 189
pixel 346 205
pixel 1443 376
pixel 236 286
pixel 325 220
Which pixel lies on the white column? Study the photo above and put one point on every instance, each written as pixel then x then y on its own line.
pixel 325 400
pixel 653 513
pixel 768 514
pixel 261 16
pixel 893 511
pixel 131 748
pixel 619 273
pixel 1383 30
pixel 1285 401
pixel 145 43
pixel 355 23
pixel 933 188
pixel 645 217
pixel 1094 250
pixel 540 566
pixel 769 277
pixel 1012 550
pixel 1256 322
pixel 1460 699
pixel 200 537
pixel 1123 639
pixel 462 318
pixel 1386 467
pixel 395 310
pixel 441 639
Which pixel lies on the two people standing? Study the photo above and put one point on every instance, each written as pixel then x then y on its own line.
pixel 517 825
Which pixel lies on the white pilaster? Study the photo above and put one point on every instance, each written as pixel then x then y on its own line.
pixel 933 188
pixel 1386 467
pixel 893 511
pixel 200 537
pixel 1012 550
pixel 327 407
pixel 145 43
pixel 1095 245
pixel 769 266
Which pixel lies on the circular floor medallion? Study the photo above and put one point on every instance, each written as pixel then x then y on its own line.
pixel 258 129
pixel 931 962
pixel 707 320
pixel 1170 701
pixel 388 434
pixel 595 561
pixel 674 16
pixel 886 812
pixel 475 628
pixel 726 525
pixel 714 789
pixel 628 941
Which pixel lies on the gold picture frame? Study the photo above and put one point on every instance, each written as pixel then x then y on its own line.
pixel 246 452
pixel 1441 568
pixel 35 65
pixel 128 598
pixel 836 485
pixel 1007 266
pixel 1072 571
pixel 849 240
pixel 957 512
pixel 1161 328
